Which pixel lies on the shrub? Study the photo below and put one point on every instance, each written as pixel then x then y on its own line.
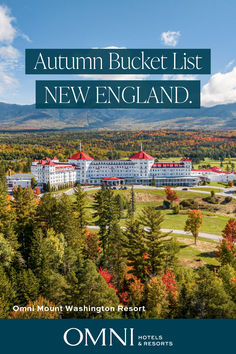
pixel 227 199
pixel 166 204
pixel 175 209
pixel 189 204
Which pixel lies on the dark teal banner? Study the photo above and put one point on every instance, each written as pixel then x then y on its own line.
pixel 118 61
pixel 118 94
pixel 122 336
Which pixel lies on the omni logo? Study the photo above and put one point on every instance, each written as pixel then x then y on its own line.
pixel 106 337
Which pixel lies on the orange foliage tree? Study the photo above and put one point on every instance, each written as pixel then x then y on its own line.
pixel 227 248
pixel 171 195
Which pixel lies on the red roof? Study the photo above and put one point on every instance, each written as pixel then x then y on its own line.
pixel 214 170
pixel 185 159
pixel 142 155
pixel 81 156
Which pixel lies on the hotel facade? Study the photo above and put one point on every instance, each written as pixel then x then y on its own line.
pixel 140 168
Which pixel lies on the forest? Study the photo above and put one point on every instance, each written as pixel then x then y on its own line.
pixel 49 257
pixel 17 150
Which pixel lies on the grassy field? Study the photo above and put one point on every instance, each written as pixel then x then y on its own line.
pixel 211 223
pixel 216 184
pixel 207 189
pixel 196 256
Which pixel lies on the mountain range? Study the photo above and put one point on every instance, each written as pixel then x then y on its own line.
pixel 27 117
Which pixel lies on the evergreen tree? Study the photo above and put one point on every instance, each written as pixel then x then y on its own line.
pixel 211 299
pixel 25 207
pixel 80 205
pixel 186 279
pixel 7 294
pixel 153 181
pixel 93 290
pixel 27 287
pixel 136 249
pixel 48 212
pixel 7 252
pixel 106 213
pixel 7 215
pixel 122 204
pixel 133 207
pixel 33 183
pixel 115 258
pixel 151 219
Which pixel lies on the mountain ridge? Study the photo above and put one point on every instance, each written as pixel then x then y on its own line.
pixel 21 117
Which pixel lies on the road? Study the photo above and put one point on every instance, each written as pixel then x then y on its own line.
pixel 178 232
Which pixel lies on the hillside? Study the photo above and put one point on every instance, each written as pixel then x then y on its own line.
pixel 19 117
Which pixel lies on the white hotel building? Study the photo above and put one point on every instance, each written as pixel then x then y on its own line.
pixel 138 169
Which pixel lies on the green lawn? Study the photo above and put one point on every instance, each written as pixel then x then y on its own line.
pixel 181 194
pixel 208 189
pixel 178 236
pixel 216 184
pixel 210 224
pixel 191 253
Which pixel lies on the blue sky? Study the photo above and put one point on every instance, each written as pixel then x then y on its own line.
pixel 123 23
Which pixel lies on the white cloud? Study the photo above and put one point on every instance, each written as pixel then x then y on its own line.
pixel 7 31
pixel 170 38
pixel 9 55
pixel 220 89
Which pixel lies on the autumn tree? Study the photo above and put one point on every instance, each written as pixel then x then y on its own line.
pixel 7 215
pixel 227 247
pixel 171 195
pixel 157 299
pixel 229 232
pixel 92 247
pixel 37 191
pixel 193 223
